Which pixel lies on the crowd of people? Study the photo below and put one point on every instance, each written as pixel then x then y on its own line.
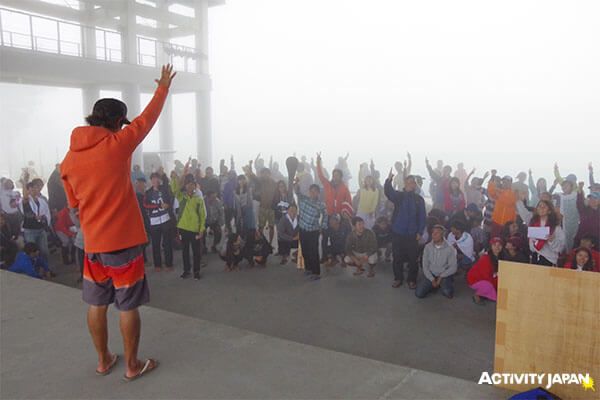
pixel 467 225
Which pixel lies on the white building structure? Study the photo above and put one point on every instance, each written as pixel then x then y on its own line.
pixel 113 45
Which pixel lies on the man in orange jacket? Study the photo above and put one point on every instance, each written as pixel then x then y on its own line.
pixel 111 221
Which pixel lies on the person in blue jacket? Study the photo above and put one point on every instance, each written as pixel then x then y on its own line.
pixel 408 222
pixel 29 262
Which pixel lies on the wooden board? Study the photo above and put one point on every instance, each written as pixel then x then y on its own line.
pixel 548 321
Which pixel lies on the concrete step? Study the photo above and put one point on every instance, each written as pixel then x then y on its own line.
pixel 46 352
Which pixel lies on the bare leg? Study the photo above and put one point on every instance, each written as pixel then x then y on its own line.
pixel 97 325
pixel 131 326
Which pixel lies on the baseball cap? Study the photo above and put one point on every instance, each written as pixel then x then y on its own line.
pixel 111 109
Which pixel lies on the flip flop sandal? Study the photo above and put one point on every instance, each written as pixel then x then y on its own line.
pixel 113 362
pixel 146 369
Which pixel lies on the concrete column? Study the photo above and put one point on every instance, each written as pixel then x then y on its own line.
pixel 166 135
pixel 88 34
pixel 89 95
pixel 203 128
pixel 129 34
pixel 131 97
pixel 201 33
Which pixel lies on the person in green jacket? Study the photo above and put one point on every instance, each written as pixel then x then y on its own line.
pixel 191 219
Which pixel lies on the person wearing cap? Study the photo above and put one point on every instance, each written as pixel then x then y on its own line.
pixel 111 221
pixel 566 206
pixel 520 186
pixel 483 275
pixel 504 207
pixel 589 214
pixel 439 265
pixel 408 223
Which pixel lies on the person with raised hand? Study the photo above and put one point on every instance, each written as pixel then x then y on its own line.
pixel 112 222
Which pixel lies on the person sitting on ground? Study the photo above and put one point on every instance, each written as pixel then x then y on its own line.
pixel 361 248
pixel 544 251
pixel 338 232
pixel 462 242
pixel 259 249
pixel 234 252
pixel 589 242
pixel 480 238
pixel 483 276
pixel 513 251
pixel 512 231
pixel 29 262
pixel 8 244
pixel 383 233
pixel 288 233
pixel 581 260
pixel 439 265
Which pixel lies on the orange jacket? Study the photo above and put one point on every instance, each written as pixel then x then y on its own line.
pixel 505 209
pixel 96 176
pixel 335 197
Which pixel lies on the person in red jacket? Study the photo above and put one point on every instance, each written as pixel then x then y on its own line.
pixel 337 198
pixel 588 242
pixel 65 230
pixel 483 276
pixel 111 221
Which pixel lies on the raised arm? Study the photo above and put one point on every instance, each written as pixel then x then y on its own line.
pixel 557 174
pixel 393 195
pixel 320 174
pixel 434 175
pixel 591 170
pixel 408 166
pixel 133 134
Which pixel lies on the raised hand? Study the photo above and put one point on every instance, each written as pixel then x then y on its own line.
pixel 590 167
pixel 166 76
pixel 391 174
pixel 319 157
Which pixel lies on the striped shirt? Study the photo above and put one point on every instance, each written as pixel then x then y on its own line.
pixel 310 212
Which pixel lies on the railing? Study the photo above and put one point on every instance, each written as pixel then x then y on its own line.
pixel 90 42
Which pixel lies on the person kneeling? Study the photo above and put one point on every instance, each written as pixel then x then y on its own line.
pixel 439 265
pixel 288 233
pixel 361 248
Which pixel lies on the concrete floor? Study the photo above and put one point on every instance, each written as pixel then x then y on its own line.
pixel 45 352
pixel 355 315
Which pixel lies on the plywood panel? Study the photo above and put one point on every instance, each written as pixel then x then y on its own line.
pixel 548 321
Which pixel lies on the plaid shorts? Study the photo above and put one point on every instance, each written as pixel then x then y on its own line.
pixel 116 277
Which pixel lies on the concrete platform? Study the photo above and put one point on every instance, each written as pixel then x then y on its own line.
pixel 45 352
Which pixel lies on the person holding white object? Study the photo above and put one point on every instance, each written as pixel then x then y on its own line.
pixel 545 251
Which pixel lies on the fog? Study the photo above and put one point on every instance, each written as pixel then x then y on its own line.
pixel 508 85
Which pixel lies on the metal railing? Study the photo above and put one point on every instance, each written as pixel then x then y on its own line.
pixel 106 44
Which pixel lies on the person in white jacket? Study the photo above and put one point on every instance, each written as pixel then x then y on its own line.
pixel 546 250
pixel 462 242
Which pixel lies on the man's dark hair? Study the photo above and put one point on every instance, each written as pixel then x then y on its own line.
pixel 189 178
pixel 141 179
pixel 356 220
pixel 37 181
pixel 30 185
pixel 339 171
pixel 314 186
pixel 155 175
pixel 30 248
pixel 592 238
pixel 457 225
pixel 109 114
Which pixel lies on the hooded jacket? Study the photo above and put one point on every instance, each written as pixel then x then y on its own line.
pixel 96 173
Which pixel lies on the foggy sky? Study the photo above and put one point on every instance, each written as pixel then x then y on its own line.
pixel 468 81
